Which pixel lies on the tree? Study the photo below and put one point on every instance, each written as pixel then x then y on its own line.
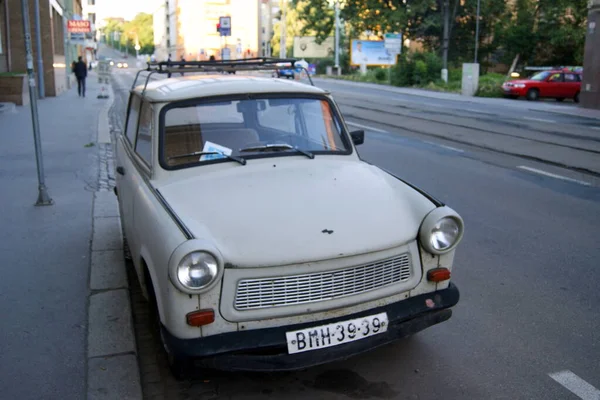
pixel 139 30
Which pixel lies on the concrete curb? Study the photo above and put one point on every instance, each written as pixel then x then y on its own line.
pixel 112 367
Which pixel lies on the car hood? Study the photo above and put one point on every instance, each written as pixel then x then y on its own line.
pixel 297 210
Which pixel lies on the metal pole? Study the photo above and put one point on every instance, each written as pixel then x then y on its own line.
pixel 282 49
pixel 477 31
pixel 67 51
pixel 43 196
pixel 446 40
pixel 337 34
pixel 38 40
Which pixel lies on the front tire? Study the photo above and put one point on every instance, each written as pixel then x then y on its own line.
pixel 179 367
pixel 560 99
pixel 533 95
pixel 576 98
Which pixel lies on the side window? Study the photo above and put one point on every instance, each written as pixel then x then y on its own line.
pixel 143 144
pixel 555 78
pixel 571 78
pixel 132 119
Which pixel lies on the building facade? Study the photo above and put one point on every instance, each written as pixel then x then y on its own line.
pixel 188 28
pixel 52 16
pixel 91 39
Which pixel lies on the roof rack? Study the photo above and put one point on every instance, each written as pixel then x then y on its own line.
pixel 247 64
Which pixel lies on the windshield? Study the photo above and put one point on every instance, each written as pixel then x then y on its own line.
pixel 540 76
pixel 227 127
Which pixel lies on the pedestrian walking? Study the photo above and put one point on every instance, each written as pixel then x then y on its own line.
pixel 181 66
pixel 80 71
pixel 169 65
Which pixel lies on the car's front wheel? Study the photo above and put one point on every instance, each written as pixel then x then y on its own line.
pixel 560 99
pixel 533 94
pixel 576 99
pixel 180 367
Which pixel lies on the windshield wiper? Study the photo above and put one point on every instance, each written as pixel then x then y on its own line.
pixel 277 147
pixel 206 153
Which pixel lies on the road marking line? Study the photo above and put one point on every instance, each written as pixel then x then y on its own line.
pixel 551 121
pixel 366 127
pixel 596 128
pixel 445 147
pixel 576 385
pixel 564 178
pixel 478 111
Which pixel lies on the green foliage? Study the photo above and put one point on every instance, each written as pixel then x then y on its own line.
pixel 417 68
pixel 381 74
pixel 490 85
pixel 139 30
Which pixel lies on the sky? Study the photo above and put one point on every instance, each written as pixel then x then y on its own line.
pixel 125 8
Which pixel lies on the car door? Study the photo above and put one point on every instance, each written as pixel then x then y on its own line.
pixel 572 85
pixel 554 86
pixel 125 176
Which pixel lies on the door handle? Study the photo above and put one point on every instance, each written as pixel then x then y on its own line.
pixel 121 170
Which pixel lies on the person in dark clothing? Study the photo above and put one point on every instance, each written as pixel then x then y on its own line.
pixel 181 66
pixel 80 71
pixel 169 65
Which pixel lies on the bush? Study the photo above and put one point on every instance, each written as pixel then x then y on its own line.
pixel 490 85
pixel 417 68
pixel 381 74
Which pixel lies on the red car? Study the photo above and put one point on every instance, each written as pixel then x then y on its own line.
pixel 559 84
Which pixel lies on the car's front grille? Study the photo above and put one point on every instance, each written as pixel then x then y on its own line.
pixel 290 290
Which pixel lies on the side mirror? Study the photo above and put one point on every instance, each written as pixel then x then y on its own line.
pixel 358 137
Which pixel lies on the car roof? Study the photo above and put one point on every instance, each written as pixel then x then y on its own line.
pixel 193 86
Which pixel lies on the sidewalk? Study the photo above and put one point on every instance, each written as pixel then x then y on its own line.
pixel 47 253
pixel 533 106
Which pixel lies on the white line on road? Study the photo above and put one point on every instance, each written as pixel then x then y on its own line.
pixel 445 147
pixel 564 178
pixel 478 111
pixel 596 128
pixel 576 385
pixel 366 127
pixel 551 121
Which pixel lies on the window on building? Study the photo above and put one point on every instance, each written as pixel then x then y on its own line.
pixel 92 18
pixel 91 2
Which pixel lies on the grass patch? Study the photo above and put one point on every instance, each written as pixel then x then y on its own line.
pixel 490 85
pixel 12 73
pixel 90 144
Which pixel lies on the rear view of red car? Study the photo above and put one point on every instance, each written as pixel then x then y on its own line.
pixel 558 84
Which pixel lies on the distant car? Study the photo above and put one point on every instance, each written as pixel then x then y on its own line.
pixel 558 84
pixel 122 64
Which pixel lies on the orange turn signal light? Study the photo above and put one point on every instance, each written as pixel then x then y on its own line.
pixel 200 318
pixel 438 275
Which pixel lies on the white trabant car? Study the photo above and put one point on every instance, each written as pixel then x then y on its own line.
pixel 261 239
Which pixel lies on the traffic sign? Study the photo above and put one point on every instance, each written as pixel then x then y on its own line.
pixel 225 26
pixel 393 42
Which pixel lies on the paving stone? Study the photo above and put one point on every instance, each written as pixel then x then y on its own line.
pixel 108 270
pixel 110 329
pixel 114 378
pixel 107 234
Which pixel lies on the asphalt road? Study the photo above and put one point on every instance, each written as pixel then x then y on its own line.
pixel 527 268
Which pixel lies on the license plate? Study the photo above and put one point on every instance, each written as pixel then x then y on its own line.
pixel 324 336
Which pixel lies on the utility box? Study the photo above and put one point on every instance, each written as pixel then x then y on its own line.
pixel 470 79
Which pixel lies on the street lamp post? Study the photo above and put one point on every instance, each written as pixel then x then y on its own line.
pixel 337 35
pixel 43 196
pixel 282 49
pixel 477 31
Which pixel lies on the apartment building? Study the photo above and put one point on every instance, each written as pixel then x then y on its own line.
pixel 188 28
pixel 53 15
pixel 91 39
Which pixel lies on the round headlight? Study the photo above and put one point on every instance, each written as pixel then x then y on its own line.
pixel 197 270
pixel 445 234
pixel 441 230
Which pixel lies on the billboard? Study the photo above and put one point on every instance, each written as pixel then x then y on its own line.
pixel 305 46
pixel 370 52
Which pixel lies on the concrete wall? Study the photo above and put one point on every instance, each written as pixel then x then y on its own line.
pixel 590 87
